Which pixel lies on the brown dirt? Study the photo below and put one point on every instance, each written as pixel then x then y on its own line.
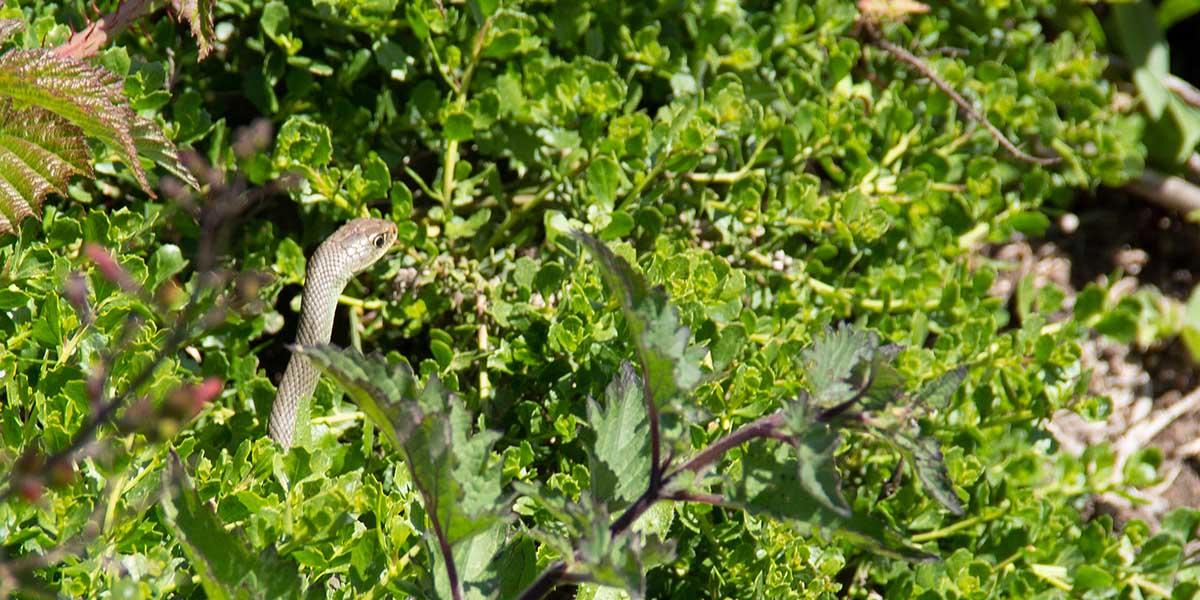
pixel 1112 235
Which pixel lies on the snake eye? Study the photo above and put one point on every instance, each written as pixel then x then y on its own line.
pixel 379 241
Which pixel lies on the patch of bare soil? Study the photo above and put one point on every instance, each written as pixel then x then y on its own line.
pixel 1154 391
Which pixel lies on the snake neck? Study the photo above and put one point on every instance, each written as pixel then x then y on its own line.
pixel 325 279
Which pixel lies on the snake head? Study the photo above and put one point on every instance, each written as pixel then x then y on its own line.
pixel 361 242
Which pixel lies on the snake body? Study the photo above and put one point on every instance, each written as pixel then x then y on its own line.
pixel 348 251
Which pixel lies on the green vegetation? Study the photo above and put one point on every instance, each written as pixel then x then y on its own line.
pixel 687 301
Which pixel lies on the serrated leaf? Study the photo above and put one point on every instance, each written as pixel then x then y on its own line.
pixel 199 16
pixel 831 361
pixel 88 96
pixel 152 144
pixel 622 561
pixel 622 446
pixel 769 484
pixel 818 472
pixel 450 465
pixel 937 393
pixel 475 562
pixel 385 393
pixel 9 27
pixel 926 459
pixel 39 152
pixel 225 563
pixel 669 364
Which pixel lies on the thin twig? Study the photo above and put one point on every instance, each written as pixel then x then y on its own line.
pixel 1168 191
pixel 88 41
pixel 766 427
pixel 431 505
pixel 922 67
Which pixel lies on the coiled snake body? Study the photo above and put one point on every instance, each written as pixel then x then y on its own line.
pixel 350 250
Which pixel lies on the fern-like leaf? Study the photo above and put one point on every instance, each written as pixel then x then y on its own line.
pixel 89 96
pixel 9 27
pixel 198 14
pixel 48 104
pixel 39 152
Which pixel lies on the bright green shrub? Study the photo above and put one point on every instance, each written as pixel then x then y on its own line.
pixel 766 164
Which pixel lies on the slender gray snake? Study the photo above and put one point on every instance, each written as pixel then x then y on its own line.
pixel 350 250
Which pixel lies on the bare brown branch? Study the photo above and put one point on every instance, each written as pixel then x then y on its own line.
pixel 89 40
pixel 923 68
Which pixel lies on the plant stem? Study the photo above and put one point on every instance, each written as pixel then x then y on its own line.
pixel 443 543
pixel 461 91
pixel 88 41
pixel 923 68
pixel 951 529
pixel 731 176
pixel 764 427
pixel 520 210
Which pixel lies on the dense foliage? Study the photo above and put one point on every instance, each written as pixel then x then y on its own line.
pixel 771 166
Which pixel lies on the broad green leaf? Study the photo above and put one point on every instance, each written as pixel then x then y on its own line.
pixel 450 465
pixel 937 393
pixel 1170 12
pixel 831 361
pixel 622 449
pixel 669 364
pixel 303 142
pixel 926 459
pixel 1146 49
pixel 769 484
pixel 166 262
pixel 603 177
pixel 386 393
pixel 815 450
pixel 476 563
pixel 226 565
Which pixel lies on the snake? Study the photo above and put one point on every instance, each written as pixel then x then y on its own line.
pixel 351 249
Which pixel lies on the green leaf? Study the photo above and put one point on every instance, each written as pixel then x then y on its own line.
pixel 225 563
pixel 622 449
pixel 669 364
pixel 1090 577
pixel 459 126
pixel 302 141
pixel 831 360
pixel 1191 324
pixel 769 484
pixel 451 465
pixel 937 393
pixel 385 393
pixel 925 456
pixel 1142 41
pixel 166 262
pixel 1171 12
pixel 276 23
pixel 603 177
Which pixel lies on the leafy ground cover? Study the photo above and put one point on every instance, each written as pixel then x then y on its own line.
pixel 786 357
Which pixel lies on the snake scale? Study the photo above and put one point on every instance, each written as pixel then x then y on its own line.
pixel 347 252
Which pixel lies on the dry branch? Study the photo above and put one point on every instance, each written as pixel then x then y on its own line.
pixel 924 69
